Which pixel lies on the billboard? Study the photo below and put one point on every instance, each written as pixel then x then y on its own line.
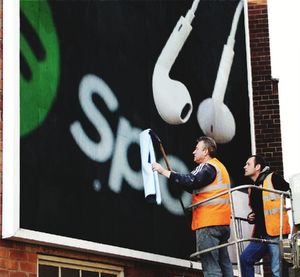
pixel 91 80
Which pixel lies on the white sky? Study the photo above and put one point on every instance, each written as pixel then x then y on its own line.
pixel 284 23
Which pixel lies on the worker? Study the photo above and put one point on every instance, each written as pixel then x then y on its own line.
pixel 265 215
pixel 211 219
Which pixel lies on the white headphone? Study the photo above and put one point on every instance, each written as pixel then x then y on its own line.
pixel 172 99
pixel 214 117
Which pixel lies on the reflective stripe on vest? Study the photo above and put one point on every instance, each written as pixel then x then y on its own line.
pixel 271 202
pixel 216 211
pixel 271 197
pixel 212 188
pixel 272 211
pixel 216 201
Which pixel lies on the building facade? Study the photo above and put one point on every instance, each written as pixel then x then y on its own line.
pixel 36 257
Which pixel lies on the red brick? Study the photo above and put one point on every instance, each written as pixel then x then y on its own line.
pixel 18 274
pixel 32 257
pixel 8 264
pixel 28 267
pixel 4 273
pixel 3 253
pixel 17 255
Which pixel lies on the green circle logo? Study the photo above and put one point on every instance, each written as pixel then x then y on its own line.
pixel 39 63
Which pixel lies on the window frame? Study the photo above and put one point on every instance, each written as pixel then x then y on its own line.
pixel 98 267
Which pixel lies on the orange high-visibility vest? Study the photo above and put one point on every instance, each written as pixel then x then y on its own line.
pixel 272 210
pixel 215 212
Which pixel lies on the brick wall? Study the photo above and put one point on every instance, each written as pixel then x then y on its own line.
pixel 265 93
pixel 16 260
pixel 20 259
pixel 265 89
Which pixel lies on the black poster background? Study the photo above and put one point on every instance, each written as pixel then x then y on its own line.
pixel 120 41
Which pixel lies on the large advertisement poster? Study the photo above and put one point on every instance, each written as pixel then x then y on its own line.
pixel 88 88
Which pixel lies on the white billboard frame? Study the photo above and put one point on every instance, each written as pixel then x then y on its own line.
pixel 11 154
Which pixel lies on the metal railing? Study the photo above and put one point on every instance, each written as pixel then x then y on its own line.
pixel 237 239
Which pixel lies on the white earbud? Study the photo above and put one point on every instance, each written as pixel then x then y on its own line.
pixel 172 99
pixel 214 117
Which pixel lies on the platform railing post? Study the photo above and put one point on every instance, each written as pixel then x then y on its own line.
pixel 235 232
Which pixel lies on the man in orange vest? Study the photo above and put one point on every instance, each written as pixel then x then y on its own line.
pixel 265 216
pixel 210 219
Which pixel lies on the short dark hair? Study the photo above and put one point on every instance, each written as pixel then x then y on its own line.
pixel 210 145
pixel 259 160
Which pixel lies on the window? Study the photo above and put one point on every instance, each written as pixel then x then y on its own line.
pixel 49 266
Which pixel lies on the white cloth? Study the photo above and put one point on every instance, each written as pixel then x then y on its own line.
pixel 150 178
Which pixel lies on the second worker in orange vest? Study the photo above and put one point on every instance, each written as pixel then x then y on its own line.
pixel 210 219
pixel 265 216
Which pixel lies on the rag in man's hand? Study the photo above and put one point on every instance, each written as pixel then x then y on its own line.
pixel 150 178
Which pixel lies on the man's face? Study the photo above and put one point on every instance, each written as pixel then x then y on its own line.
pixel 250 168
pixel 200 152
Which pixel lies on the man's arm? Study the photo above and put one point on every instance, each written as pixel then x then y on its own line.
pixel 200 177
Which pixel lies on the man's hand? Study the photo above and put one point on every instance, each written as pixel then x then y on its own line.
pixel 251 218
pixel 157 167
